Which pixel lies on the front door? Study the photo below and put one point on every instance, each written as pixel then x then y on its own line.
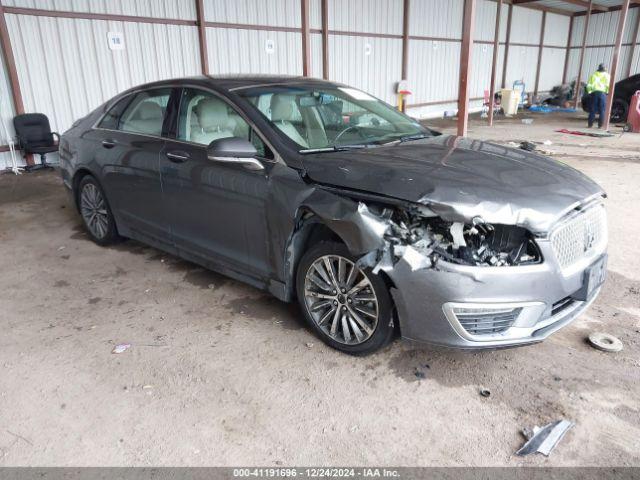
pixel 217 210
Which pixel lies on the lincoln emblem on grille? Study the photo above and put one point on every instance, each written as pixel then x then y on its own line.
pixel 589 237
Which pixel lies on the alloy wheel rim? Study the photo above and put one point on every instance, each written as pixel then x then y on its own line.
pixel 94 210
pixel 341 300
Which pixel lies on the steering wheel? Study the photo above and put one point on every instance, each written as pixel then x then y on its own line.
pixel 345 130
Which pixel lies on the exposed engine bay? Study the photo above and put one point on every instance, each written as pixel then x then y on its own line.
pixel 423 238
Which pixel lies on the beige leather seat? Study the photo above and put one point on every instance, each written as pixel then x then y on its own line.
pixel 213 121
pixel 146 119
pixel 283 108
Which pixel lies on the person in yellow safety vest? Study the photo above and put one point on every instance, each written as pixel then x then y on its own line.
pixel 598 88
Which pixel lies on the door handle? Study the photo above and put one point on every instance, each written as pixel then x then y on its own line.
pixel 178 157
pixel 108 143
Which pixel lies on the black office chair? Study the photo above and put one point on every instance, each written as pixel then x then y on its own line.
pixel 35 137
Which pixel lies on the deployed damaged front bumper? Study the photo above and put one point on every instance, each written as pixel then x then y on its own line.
pixel 489 307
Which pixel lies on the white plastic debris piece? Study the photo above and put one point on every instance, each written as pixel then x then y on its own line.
pixel 605 342
pixel 546 438
pixel 457 232
pixel 121 348
pixel 547 142
pixel 415 259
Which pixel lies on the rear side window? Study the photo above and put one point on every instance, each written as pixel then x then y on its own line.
pixel 143 114
pixel 111 118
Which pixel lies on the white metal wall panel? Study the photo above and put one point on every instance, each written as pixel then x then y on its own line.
pixel 244 51
pixel 433 70
pixel 275 13
pixel 551 67
pixel 522 66
pixel 435 18
pixel 603 28
pixel 315 14
pixel 572 64
pixel 635 62
pixel 368 16
pixel 578 31
pixel 7 112
pixel 485 23
pixel 480 70
pixel 594 56
pixel 556 30
pixel 503 22
pixel 435 111
pixel 525 25
pixel 316 55
pixel 70 69
pixel 376 73
pixel 179 9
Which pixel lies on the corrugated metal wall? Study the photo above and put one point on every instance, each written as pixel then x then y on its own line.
pixel 65 68
pixel 601 37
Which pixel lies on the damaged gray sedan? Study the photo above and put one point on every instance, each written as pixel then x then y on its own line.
pixel 318 192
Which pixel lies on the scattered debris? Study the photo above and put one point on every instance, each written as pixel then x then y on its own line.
pixel 548 109
pixel 585 134
pixel 309 345
pixel 485 393
pixel 544 440
pixel 547 142
pixel 147 387
pixel 61 248
pixel 605 342
pixel 121 348
pixel 528 146
pixel 527 121
pixel 420 375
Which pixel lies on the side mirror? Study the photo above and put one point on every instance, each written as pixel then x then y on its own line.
pixel 234 150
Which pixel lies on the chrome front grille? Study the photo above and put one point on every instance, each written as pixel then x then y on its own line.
pixel 580 237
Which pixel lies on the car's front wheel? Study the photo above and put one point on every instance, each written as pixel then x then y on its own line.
pixel 348 307
pixel 95 212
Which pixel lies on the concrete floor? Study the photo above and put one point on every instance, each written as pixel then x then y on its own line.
pixel 221 374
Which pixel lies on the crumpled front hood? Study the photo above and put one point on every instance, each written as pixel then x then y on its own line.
pixel 460 178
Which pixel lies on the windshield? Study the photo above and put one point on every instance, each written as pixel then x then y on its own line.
pixel 323 119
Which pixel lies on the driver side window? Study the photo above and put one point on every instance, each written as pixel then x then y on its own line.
pixel 204 117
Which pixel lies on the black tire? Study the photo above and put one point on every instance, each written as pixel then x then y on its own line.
pixel 619 110
pixel 383 331
pixel 91 197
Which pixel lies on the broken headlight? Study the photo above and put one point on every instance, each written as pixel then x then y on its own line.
pixel 475 243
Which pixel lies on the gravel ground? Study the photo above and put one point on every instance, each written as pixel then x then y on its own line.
pixel 221 374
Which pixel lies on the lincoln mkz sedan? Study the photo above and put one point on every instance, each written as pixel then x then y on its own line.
pixel 320 193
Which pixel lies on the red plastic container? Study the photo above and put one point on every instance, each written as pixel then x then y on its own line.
pixel 633 117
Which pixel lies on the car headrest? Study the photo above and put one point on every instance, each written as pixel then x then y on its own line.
pixel 212 114
pixel 149 110
pixel 282 107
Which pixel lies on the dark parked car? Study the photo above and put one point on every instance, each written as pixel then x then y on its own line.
pixel 318 192
pixel 621 98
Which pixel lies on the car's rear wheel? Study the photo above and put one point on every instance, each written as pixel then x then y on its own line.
pixel 348 307
pixel 619 110
pixel 95 212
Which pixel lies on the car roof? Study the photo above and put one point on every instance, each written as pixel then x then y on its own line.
pixel 237 82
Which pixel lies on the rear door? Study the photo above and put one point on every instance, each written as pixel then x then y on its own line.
pixel 217 209
pixel 131 141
